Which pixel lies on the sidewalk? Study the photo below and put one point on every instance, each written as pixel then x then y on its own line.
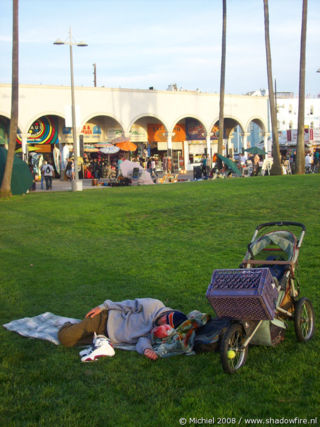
pixel 59 185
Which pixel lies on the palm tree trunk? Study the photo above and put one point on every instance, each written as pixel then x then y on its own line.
pixel 276 166
pixel 300 159
pixel 222 76
pixel 5 190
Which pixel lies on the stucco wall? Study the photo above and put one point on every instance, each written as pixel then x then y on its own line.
pixel 126 105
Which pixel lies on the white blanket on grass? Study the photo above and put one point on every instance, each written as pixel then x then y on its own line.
pixel 44 326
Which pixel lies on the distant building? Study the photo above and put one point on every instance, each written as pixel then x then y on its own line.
pixel 287 120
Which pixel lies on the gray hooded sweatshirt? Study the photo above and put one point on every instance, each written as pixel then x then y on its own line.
pixel 131 321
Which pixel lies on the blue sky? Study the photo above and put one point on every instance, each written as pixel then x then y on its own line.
pixel 142 43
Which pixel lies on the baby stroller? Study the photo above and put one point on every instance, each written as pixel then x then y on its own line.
pixel 262 295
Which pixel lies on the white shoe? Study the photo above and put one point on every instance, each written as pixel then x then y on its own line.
pixel 101 347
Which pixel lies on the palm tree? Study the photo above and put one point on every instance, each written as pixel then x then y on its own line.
pixel 5 190
pixel 222 75
pixel 276 167
pixel 300 160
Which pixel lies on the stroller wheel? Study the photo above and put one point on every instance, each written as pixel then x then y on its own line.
pixel 304 319
pixel 233 354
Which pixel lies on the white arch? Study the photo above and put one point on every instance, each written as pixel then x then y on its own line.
pixel 6 116
pixel 38 116
pixel 255 118
pixel 228 117
pixel 186 116
pixel 100 114
pixel 141 116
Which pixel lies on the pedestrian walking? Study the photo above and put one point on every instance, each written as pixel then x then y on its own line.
pixel 48 175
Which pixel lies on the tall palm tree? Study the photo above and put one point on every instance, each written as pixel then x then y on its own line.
pixel 222 75
pixel 5 190
pixel 276 167
pixel 300 159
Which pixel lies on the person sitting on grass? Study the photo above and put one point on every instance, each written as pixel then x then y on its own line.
pixel 126 322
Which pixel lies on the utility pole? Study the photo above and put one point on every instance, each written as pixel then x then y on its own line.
pixel 95 75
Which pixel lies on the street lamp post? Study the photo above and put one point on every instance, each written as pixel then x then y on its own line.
pixel 76 183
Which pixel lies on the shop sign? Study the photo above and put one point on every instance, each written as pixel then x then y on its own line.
pixel 113 133
pixel 316 135
pixel 292 135
pixel 197 148
pixel 91 130
pixel 138 134
pixel 163 146
pixel 42 148
pixel 177 145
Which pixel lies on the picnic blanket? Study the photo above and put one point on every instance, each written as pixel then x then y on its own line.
pixel 45 326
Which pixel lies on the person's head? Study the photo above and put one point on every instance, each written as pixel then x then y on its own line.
pixel 173 318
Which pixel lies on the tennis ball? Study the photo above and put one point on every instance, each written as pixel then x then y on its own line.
pixel 231 354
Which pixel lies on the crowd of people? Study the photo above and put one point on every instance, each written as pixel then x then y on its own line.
pixel 312 162
pixel 255 164
pixel 100 167
pixel 108 167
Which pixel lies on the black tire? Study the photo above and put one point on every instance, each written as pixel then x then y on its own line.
pixel 304 319
pixel 232 340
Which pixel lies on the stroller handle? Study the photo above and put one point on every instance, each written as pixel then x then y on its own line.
pixel 281 223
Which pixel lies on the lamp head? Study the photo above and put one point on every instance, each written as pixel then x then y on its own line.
pixel 58 42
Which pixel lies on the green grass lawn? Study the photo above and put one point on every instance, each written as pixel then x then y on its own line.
pixel 68 252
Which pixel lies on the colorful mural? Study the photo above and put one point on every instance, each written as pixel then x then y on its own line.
pixel 196 131
pixel 157 133
pixel 215 132
pixel 44 131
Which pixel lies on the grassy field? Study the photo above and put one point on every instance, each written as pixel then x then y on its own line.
pixel 68 252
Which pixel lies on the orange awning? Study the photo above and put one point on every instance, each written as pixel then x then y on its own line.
pixel 127 146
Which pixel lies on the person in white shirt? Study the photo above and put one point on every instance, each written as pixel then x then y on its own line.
pixel 243 160
pixel 308 163
pixel 48 174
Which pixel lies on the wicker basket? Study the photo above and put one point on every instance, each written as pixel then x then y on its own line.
pixel 243 294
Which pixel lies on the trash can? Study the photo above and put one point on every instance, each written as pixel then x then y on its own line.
pixel 197 172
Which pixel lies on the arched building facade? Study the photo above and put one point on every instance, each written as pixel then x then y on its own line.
pixel 185 123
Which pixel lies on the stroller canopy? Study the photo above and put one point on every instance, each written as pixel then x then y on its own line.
pixel 285 240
